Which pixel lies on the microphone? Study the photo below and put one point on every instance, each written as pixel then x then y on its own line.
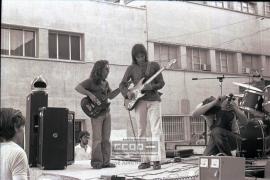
pixel 194 78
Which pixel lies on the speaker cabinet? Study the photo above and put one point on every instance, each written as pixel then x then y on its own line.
pixel 34 101
pixel 221 168
pixel 71 138
pixel 53 136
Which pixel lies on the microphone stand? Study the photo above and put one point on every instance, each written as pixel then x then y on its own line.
pixel 220 79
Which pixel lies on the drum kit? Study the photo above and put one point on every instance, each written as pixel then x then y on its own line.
pixel 255 136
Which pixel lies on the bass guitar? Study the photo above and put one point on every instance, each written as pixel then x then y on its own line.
pixel 93 109
pixel 130 103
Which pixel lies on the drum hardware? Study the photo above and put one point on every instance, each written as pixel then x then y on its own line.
pixel 267 144
pixel 253 142
pixel 239 95
pixel 220 79
pixel 247 86
pixel 252 103
pixel 266 106
pixel 266 97
pixel 258 126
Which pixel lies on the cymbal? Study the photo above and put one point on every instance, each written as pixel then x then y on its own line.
pixel 239 95
pixel 247 86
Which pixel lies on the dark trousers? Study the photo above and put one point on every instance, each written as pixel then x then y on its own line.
pixel 221 141
pixel 101 146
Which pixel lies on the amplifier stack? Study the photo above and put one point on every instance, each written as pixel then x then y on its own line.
pixel 50 137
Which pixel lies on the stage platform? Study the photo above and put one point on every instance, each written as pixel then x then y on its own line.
pixel 188 168
pixel 81 170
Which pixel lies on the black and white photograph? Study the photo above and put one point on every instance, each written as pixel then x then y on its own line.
pixel 134 90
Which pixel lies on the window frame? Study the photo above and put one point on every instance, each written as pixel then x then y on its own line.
pixel 23 29
pixel 200 50
pixel 252 58
pixel 69 34
pixel 266 9
pixel 249 5
pixel 159 46
pixel 267 69
pixel 229 57
pixel 219 4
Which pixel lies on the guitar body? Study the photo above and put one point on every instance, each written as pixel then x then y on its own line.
pixel 91 109
pixel 130 103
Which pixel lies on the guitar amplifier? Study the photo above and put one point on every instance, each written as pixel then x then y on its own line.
pixel 34 101
pixel 71 138
pixel 221 168
pixel 53 136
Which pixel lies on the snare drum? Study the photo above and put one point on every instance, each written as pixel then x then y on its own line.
pixel 266 98
pixel 252 140
pixel 252 102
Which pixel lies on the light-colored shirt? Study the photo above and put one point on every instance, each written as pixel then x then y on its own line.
pixel 82 153
pixel 13 162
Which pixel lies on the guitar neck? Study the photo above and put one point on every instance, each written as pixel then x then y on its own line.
pixel 114 93
pixel 154 76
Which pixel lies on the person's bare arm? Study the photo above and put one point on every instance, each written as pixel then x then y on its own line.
pixel 202 109
pixel 241 116
pixel 84 91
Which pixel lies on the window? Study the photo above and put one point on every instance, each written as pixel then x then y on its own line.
pixel 225 62
pixel 64 46
pixel 164 53
pixel 18 42
pixel 197 59
pixel 238 6
pixel 251 63
pixel 220 4
pixel 267 9
pixel 248 7
pixel 267 65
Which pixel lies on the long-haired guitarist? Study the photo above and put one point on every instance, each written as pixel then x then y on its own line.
pixel 97 88
pixel 148 105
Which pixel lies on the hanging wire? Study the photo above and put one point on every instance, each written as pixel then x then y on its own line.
pixel 206 30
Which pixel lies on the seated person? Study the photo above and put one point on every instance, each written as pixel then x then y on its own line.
pixel 13 159
pixel 221 114
pixel 201 140
pixel 83 150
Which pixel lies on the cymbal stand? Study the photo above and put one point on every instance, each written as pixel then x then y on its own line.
pixel 220 79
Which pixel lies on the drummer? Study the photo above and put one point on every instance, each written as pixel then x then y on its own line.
pixel 221 114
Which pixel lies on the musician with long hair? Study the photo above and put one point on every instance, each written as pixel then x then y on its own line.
pixel 96 87
pixel 221 115
pixel 149 105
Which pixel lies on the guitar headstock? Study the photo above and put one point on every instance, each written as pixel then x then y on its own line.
pixel 170 63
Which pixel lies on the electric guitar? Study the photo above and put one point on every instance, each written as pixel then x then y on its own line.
pixel 130 103
pixel 93 109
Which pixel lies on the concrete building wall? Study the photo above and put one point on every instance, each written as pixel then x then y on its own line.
pixel 192 24
pixel 62 77
pixel 109 32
